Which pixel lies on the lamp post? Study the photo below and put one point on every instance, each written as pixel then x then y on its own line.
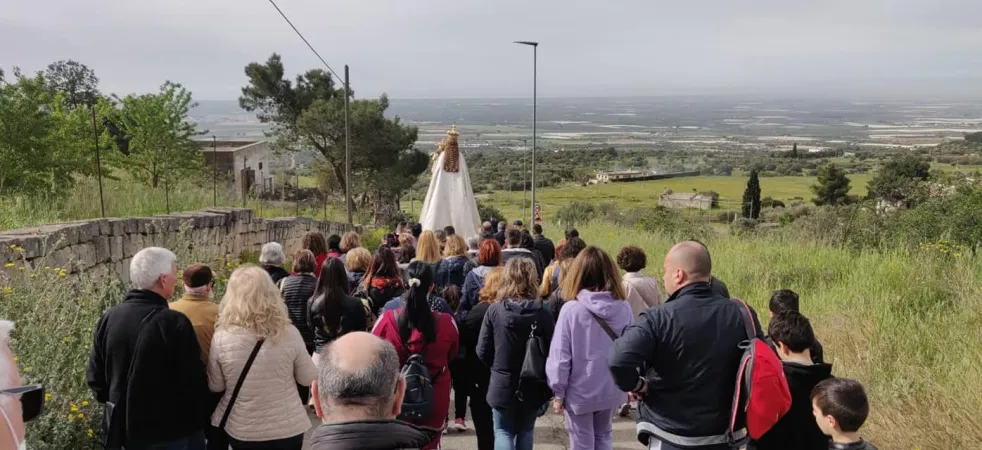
pixel 535 75
pixel 214 171
pixel 524 174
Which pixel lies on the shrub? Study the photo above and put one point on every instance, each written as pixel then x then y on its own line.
pixel 487 211
pixel 576 213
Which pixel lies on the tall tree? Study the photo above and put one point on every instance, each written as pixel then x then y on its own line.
pixel 26 126
pixel 309 113
pixel 900 180
pixel 161 145
pixel 751 197
pixel 832 188
pixel 75 81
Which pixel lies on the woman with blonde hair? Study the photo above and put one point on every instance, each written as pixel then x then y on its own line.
pixel 254 327
pixel 428 249
pixel 349 242
pixel 508 325
pixel 476 375
pixel 455 265
pixel 356 264
pixel 585 332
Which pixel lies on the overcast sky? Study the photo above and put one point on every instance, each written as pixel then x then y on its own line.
pixel 462 48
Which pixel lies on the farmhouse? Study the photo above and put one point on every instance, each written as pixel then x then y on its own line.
pixel 252 165
pixel 681 201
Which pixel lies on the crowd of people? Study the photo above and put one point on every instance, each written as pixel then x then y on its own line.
pixel 506 325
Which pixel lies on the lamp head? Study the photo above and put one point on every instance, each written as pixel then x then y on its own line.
pixel 533 44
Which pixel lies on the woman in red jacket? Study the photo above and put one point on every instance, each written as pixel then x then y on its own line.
pixel 415 329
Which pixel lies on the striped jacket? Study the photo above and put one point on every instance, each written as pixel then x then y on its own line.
pixel 296 290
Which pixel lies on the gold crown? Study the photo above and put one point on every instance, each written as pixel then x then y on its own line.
pixel 453 131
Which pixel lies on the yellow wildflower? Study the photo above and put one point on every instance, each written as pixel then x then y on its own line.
pixel 81 416
pixel 13 246
pixel 85 403
pixel 9 265
pixel 47 267
pixel 72 407
pixel 48 396
pixel 91 433
pixel 34 275
pixel 71 417
pixel 21 268
pixel 16 358
pixel 27 369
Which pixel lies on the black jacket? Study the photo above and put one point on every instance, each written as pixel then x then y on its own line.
pixel 166 397
pixel 797 429
pixel 276 273
pixel 510 253
pixel 452 271
pixel 355 278
pixel 859 445
pixel 501 346
pixel 297 291
pixel 470 330
pixel 371 435
pixel 546 247
pixel 353 318
pixel 688 350
pixel 500 237
pixel 817 351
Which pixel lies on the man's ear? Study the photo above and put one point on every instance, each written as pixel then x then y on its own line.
pixel 314 393
pixel 399 395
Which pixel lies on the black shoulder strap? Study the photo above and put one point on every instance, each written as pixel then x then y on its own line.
pixel 238 384
pixel 604 325
pixel 748 319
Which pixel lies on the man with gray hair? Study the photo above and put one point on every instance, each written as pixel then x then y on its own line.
pixel 272 259
pixel 358 394
pixel 145 364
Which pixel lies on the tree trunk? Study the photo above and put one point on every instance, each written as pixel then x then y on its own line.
pixel 339 175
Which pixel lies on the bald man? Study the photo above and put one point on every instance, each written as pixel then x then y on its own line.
pixel 358 394
pixel 682 358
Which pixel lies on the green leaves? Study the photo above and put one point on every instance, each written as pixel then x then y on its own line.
pixel 832 188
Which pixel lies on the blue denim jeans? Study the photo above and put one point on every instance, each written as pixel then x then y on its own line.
pixel 514 429
pixel 195 441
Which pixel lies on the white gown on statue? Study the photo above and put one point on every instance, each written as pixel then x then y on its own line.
pixel 450 200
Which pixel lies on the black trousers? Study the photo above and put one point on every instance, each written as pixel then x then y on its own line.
pixel 462 387
pixel 481 415
pixel 291 443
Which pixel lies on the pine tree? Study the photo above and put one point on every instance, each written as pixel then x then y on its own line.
pixel 751 197
pixel 794 151
pixel 832 188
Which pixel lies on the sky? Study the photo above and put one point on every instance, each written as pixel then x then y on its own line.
pixel 463 48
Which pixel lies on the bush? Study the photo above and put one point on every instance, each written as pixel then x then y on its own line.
pixel 727 216
pixel 487 211
pixel 576 213
pixel 742 226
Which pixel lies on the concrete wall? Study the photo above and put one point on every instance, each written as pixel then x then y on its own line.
pixel 108 245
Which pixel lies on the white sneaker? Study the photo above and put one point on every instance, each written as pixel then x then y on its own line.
pixel 460 425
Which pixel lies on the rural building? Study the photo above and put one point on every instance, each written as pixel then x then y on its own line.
pixel 682 201
pixel 623 176
pixel 252 165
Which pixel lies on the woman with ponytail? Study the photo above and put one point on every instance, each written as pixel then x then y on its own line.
pixel 331 312
pixel 414 329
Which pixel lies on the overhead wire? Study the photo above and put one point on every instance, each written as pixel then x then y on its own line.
pixel 305 41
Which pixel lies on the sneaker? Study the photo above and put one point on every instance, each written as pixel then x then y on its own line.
pixel 460 425
pixel 625 410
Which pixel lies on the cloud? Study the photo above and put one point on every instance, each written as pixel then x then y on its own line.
pixel 444 48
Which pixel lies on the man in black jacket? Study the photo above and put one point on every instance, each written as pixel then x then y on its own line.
pixel 514 239
pixel 682 358
pixel 543 244
pixel 358 394
pixel 146 361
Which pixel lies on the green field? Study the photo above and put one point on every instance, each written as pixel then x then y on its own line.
pixel 645 193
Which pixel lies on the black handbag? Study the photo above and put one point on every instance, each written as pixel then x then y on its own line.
pixel 113 430
pixel 217 437
pixel 533 373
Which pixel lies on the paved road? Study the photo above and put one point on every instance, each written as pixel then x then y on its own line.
pixel 550 434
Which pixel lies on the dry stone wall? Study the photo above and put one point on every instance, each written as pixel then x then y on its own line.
pixel 108 245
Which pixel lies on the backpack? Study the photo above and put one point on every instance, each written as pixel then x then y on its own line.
pixel 761 388
pixel 366 302
pixel 417 403
pixel 534 363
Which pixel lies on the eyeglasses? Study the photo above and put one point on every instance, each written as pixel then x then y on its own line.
pixel 31 399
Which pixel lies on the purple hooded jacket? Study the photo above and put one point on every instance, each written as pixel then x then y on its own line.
pixel 577 363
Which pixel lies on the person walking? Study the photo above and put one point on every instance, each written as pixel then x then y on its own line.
pixel 332 312
pixel 488 257
pixel 356 263
pixel 196 304
pixel 681 358
pixel 585 332
pixel 382 281
pixel 415 329
pixel 314 241
pixel 271 257
pixel 349 242
pixel 296 290
pixel 455 265
pixel 476 373
pixel 543 244
pixel 642 291
pixel 145 364
pixel 428 250
pixel 507 327
pixel 333 246
pixel 254 326
pixel 358 395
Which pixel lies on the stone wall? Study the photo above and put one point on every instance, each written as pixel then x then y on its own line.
pixel 108 245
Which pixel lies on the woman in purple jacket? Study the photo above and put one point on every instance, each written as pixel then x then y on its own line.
pixel 585 332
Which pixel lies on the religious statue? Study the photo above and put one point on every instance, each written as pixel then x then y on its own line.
pixel 450 198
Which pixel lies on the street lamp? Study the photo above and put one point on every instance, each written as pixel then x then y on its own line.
pixel 524 174
pixel 535 74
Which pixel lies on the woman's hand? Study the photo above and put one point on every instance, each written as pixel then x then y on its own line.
pixel 558 405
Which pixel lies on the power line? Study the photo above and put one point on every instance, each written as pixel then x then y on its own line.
pixel 311 47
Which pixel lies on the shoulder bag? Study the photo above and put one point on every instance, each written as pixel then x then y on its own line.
pixel 218 438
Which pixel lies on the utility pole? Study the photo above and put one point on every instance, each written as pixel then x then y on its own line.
pixel 214 173
pixel 243 180
pixel 535 79
pixel 297 171
pixel 98 162
pixel 524 175
pixel 347 145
